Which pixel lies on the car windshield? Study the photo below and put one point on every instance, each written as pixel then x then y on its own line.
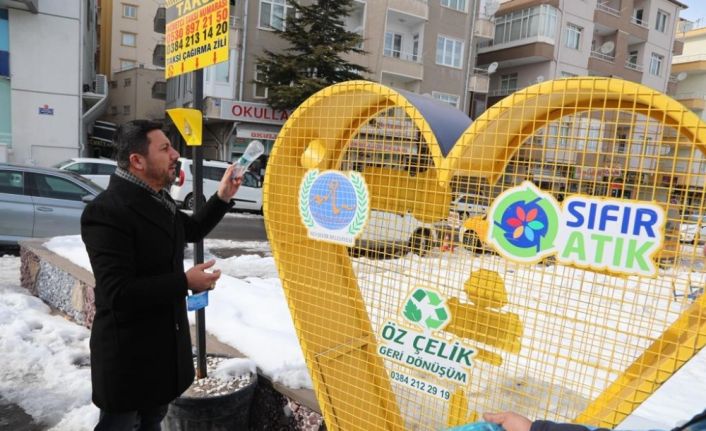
pixel 93 186
pixel 60 164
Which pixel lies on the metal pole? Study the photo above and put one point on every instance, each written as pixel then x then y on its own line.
pixel 198 246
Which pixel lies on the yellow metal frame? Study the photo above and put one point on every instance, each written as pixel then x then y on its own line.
pixel 342 355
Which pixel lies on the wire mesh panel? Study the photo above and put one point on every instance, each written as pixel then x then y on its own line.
pixel 546 258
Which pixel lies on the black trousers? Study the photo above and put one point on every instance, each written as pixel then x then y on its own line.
pixel 139 420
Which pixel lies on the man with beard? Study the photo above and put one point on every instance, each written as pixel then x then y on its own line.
pixel 141 355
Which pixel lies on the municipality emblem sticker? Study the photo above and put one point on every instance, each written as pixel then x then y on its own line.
pixel 334 206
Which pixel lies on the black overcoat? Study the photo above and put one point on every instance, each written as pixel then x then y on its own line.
pixel 140 343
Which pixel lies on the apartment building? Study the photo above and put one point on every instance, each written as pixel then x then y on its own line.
pixel 538 40
pixel 423 46
pixel 132 56
pixel 690 90
pixel 50 94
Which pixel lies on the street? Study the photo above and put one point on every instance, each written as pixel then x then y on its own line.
pixel 240 227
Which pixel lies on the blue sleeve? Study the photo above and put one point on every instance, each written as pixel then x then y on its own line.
pixel 554 426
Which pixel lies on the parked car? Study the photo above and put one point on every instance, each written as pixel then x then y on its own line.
pixel 41 202
pixel 467 205
pixel 693 229
pixel 96 170
pixel 248 198
pixel 391 234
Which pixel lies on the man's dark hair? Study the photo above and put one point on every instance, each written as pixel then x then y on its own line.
pixel 130 138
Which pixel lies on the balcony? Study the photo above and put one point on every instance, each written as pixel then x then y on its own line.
pixel 484 29
pixel 158 55
pixel 479 83
pixel 689 63
pixel 527 51
pixel 160 20
pixel 678 47
pixel 604 57
pixel 606 6
pixel 27 5
pixel 159 90
pixel 403 64
pixel 634 66
pixel 419 8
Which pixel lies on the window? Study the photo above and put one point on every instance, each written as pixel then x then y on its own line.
pixel 260 90
pixel 129 11
pixel 222 71
pixel 567 74
pixel 508 83
pixel 522 24
pixel 415 47
pixel 12 182
pixel 104 169
pixel 128 39
pixel 249 180
pixel 449 51
pixel 113 110
pixel 656 64
pixel 273 13
pixel 113 84
pixel 126 109
pixel 393 45
pixel 127 64
pixel 455 4
pixel 127 82
pixel 637 16
pixel 661 24
pixel 451 99
pixel 48 186
pixel 573 36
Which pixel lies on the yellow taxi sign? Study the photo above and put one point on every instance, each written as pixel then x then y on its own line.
pixel 189 123
pixel 196 35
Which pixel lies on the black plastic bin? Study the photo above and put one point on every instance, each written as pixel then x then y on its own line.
pixel 220 413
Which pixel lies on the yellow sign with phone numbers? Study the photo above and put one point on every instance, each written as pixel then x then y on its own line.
pixel 196 35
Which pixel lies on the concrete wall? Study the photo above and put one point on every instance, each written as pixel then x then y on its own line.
pixel 45 70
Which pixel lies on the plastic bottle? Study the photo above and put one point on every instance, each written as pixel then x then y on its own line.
pixel 478 426
pixel 252 152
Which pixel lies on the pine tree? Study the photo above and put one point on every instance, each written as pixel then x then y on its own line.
pixel 317 39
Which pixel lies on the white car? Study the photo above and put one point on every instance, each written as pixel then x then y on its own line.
pixel 467 205
pixel 96 170
pixel 248 198
pixel 693 229
pixel 390 233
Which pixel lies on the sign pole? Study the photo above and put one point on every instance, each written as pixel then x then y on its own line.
pixel 198 246
pixel 196 36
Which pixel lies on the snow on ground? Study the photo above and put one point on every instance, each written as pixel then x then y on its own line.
pixel 45 357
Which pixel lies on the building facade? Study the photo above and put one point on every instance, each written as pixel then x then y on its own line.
pixel 131 55
pixel 538 40
pixel 49 92
pixel 423 46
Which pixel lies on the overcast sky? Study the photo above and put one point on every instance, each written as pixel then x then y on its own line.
pixel 696 10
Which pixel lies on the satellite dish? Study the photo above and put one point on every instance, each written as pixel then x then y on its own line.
pixel 492 67
pixel 540 79
pixel 607 47
pixel 682 76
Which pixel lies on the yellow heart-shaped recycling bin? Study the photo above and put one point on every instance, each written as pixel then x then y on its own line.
pixel 536 259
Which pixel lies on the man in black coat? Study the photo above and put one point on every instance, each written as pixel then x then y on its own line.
pixel 141 356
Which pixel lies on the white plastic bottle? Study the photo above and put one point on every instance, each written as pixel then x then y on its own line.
pixel 252 152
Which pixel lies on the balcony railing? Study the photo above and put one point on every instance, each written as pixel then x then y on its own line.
pixel 688 58
pixel 402 55
pixel 501 92
pixel 635 20
pixel 634 66
pixel 605 8
pixel 605 57
pixel 691 95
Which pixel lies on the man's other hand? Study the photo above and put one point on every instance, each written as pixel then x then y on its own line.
pixel 198 280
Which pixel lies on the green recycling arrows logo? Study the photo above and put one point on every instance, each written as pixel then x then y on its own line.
pixel 426 308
